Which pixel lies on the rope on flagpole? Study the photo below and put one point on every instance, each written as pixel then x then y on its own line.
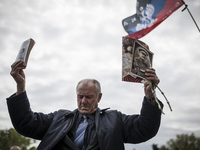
pixel 186 7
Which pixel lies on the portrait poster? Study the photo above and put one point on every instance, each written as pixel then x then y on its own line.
pixel 136 58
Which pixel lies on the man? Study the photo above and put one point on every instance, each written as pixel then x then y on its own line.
pixel 15 148
pixel 141 61
pixel 103 129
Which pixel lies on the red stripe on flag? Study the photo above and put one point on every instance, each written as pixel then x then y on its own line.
pixel 169 8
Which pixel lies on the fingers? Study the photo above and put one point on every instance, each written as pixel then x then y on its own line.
pixel 17 72
pixel 16 67
pixel 151 76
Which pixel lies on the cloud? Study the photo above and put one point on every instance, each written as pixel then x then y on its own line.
pixel 82 39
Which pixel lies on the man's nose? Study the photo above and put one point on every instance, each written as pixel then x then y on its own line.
pixel 84 100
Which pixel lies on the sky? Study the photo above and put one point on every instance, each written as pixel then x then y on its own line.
pixel 83 39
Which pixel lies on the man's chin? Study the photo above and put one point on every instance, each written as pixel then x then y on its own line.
pixel 85 111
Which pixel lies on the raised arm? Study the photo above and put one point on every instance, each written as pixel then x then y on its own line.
pixel 25 121
pixel 140 128
pixel 18 74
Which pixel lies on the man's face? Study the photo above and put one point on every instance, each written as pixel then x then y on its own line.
pixel 142 54
pixel 87 98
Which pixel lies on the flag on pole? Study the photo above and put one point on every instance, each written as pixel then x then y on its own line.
pixel 149 14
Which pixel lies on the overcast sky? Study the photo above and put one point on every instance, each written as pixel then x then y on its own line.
pixel 82 39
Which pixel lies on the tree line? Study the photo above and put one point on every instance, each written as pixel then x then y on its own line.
pixel 182 142
pixel 10 137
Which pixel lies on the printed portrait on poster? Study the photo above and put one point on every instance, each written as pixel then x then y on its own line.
pixel 136 58
pixel 142 60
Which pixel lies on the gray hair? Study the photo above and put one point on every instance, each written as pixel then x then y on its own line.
pixel 86 81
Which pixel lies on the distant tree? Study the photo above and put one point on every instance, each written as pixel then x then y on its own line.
pixel 10 137
pixel 155 147
pixel 163 147
pixel 183 142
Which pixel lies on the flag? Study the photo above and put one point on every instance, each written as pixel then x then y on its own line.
pixel 149 14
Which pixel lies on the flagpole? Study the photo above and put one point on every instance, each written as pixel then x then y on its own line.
pixel 186 7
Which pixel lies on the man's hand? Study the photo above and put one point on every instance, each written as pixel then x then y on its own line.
pixel 152 77
pixel 18 74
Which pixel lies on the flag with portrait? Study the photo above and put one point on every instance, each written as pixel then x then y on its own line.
pixel 149 14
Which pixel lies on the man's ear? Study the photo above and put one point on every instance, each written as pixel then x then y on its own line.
pixel 99 98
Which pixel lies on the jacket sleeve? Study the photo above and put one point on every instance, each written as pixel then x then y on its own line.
pixel 140 128
pixel 24 120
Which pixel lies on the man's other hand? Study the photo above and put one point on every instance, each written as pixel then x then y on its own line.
pixel 152 77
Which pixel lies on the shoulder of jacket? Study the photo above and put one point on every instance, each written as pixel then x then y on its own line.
pixel 107 111
pixel 63 112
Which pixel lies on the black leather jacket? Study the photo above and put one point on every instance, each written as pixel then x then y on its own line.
pixel 113 128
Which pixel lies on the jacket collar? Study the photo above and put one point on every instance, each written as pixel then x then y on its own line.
pixel 97 111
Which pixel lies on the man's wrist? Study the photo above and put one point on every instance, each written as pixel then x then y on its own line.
pixel 20 89
pixel 150 99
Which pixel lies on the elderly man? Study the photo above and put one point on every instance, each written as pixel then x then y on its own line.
pixel 85 128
